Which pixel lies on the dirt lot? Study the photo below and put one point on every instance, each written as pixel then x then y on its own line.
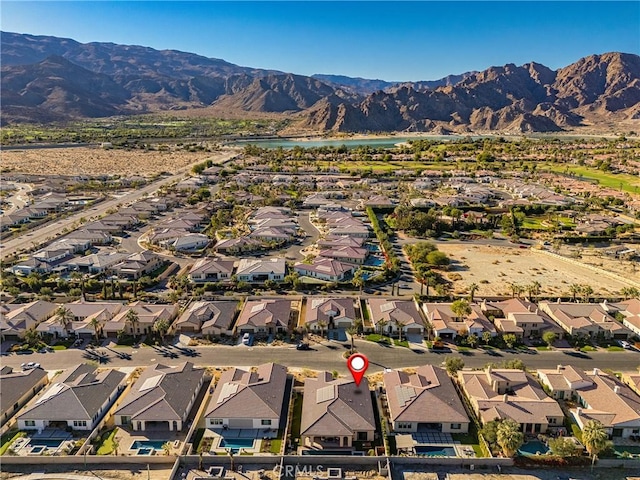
pixel 105 472
pixel 97 161
pixel 493 269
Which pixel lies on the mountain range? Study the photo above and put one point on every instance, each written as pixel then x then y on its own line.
pixel 50 79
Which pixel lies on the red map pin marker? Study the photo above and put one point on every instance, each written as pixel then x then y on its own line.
pixel 357 364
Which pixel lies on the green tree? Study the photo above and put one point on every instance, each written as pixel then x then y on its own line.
pixel 486 337
pixel 562 447
pixel 63 316
pixel 595 438
pixel 438 258
pixel 32 337
pixel 352 331
pixel 575 289
pixel 460 309
pixel 549 338
pixel 132 319
pixel 490 432
pixel 453 364
pixel 509 339
pixel 161 327
pixel 473 288
pixel 358 280
pixel 95 324
pixel 509 437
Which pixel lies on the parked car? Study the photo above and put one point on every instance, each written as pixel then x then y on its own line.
pixel 30 365
pixel 246 338
pixel 303 346
pixel 624 344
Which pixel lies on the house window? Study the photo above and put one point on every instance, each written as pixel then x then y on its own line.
pixel 266 422
pixel 404 426
pixel 362 436
pixel 79 423
pixel 216 421
pixel 456 426
pixel 29 423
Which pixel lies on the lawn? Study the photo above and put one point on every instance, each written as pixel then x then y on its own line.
pixel 588 348
pixel 376 337
pixel 8 438
pixel 276 445
pixel 628 183
pixel 106 445
pixel 296 418
pixel 543 348
pixel 401 343
pixel 615 348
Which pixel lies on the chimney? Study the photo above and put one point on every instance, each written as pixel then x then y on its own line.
pixel 616 389
pixel 489 369
pixel 559 368
pixel 579 411
pixel 595 371
pixel 505 399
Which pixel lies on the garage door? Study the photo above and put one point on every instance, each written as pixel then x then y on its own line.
pixel 416 331
pixel 344 325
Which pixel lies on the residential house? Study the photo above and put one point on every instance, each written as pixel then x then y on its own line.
pixel 147 315
pixel 346 254
pixel 424 400
pixel 161 396
pixel 16 319
pixel 249 399
pixel 323 313
pixel 266 317
pixel 563 381
pixel 336 413
pixel 326 269
pixel 210 269
pixel 629 311
pixel 586 319
pixel 138 265
pixel 81 323
pixel 208 318
pixel 522 318
pixel 77 399
pixel 95 263
pixel 235 246
pixel 499 394
pixel 18 387
pixel 395 315
pixel 610 402
pixel 258 271
pixel 447 325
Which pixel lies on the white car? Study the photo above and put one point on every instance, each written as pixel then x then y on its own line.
pixel 30 365
pixel 246 338
pixel 625 345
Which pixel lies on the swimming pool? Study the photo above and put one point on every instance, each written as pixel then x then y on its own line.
pixel 45 442
pixel 435 451
pixel 235 444
pixel 533 447
pixel 145 451
pixel 37 450
pixel 153 444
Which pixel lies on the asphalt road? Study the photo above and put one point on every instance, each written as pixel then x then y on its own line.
pixel 39 236
pixel 325 356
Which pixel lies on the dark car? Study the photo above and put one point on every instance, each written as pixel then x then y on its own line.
pixel 303 346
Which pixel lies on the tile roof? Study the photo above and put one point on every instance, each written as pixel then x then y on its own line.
pixel 609 399
pixel 249 394
pixel 15 384
pixel 162 393
pixel 426 396
pixel 336 407
pixel 268 312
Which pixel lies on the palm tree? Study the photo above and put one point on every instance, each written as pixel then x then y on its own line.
pixel 162 327
pixel 322 324
pixel 595 438
pixel 95 323
pixel 63 316
pixel 509 437
pixel 486 337
pixel 166 448
pixel 473 288
pixel 515 289
pixel 399 326
pixel 574 288
pixel 358 280
pixel 380 326
pixel 32 337
pixel 629 292
pixel 132 319
pixel 116 445
pixel 352 331
pixel 586 291
pixel 536 287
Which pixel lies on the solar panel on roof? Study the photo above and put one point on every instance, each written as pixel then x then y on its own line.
pixel 385 307
pixel 405 394
pixel 228 390
pixel 325 394
pixel 52 392
pixel 151 382
pixel 317 302
pixel 257 308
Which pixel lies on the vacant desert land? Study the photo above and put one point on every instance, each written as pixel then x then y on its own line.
pixel 97 161
pixel 493 269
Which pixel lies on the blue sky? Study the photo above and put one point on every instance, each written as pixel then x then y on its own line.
pixel 388 40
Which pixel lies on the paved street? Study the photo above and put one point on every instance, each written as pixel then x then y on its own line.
pixel 40 235
pixel 327 356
